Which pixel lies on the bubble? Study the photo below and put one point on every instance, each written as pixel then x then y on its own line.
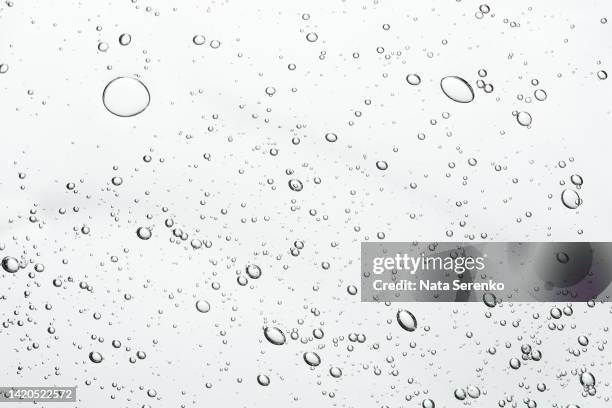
pixel 587 379
pixel 413 79
pixel 296 185
pixel 263 380
pixel 312 37
pixel 335 372
pixel 576 179
pixel 473 391
pixel 515 363
pixel 352 290
pixel 202 306
pixel 556 313
pixel 143 233
pixel 331 137
pixel 428 403
pixel 10 264
pixel 406 320
pixel 3 68
pixel 382 165
pixel 102 46
pixel 489 299
pixel 457 89
pixel 274 335
pixel 570 199
pixel 198 39
pixel 270 91
pixel 540 94
pixel 602 75
pixel 460 394
pixel 312 359
pixel 562 257
pixel 125 39
pixel 254 271
pixel 583 341
pixel 95 357
pixel 523 118
pixel 117 181
pixel 126 97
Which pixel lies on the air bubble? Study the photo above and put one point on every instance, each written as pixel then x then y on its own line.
pixel 457 89
pixel 126 97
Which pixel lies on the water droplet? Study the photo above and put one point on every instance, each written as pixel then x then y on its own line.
pixel 406 320
pixel 126 97
pixel 457 89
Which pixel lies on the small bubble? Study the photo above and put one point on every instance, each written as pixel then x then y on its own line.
pixel 202 306
pixel 413 79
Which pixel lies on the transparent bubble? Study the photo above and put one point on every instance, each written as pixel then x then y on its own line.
pixel 570 199
pixel 312 359
pixel 457 89
pixel 540 94
pixel 202 306
pixel 515 363
pixel 143 233
pixel 296 185
pixel 331 137
pixel 587 379
pixel 263 380
pixel 125 39
pixel 312 37
pixel 413 79
pixel 428 403
pixel 95 357
pixel 382 165
pixel 274 335
pixel 406 320
pixel 126 97
pixel 10 264
pixel 460 394
pixel 335 372
pixel 254 271
pixel 523 118
pixel 198 39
